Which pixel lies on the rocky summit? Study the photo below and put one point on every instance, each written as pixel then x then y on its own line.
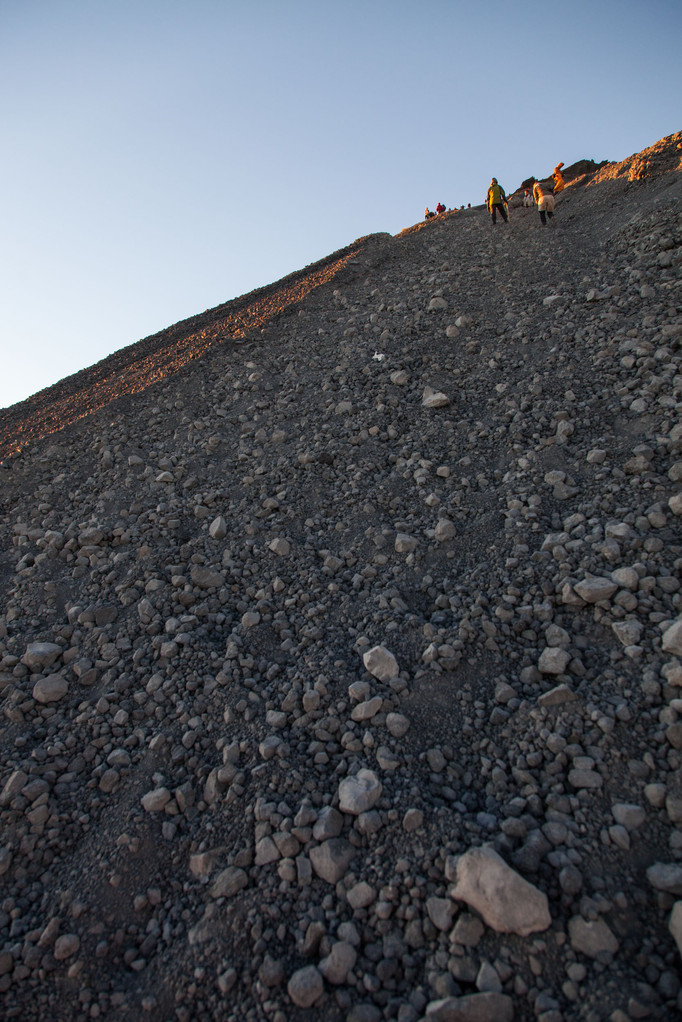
pixel 341 638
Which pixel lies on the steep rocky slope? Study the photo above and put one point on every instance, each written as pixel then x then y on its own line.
pixel 138 366
pixel 340 669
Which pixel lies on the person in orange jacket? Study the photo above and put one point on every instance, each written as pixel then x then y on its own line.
pixel 559 183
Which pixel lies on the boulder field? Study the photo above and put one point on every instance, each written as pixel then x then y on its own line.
pixel 341 639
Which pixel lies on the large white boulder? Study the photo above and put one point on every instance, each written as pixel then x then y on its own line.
pixel 507 902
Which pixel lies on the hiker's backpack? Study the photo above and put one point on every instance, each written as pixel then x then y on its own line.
pixel 496 193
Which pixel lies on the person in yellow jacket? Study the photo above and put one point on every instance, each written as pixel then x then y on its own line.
pixel 559 183
pixel 496 200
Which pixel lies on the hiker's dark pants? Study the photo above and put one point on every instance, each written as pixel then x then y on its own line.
pixel 494 208
pixel 543 217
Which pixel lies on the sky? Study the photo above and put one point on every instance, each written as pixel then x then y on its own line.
pixel 160 157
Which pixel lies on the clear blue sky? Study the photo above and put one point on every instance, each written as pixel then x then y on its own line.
pixel 160 157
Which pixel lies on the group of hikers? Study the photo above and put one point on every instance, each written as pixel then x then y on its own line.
pixel 440 208
pixel 542 196
pixel 429 213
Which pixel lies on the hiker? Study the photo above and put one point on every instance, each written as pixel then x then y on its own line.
pixel 428 214
pixel 440 208
pixel 544 198
pixel 496 200
pixel 559 183
pixel 527 199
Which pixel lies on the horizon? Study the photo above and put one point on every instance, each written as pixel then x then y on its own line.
pixel 161 164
